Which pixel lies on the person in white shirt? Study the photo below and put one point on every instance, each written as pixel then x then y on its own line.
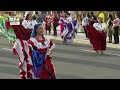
pixel 100 26
pixel 28 22
pixel 69 19
pixel 85 22
pixel 100 36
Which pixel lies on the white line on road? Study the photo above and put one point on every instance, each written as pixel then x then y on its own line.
pixel 80 49
pixel 7 49
pixel 104 52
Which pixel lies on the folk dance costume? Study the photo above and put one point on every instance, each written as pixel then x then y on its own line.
pixel 48 24
pixel 29 24
pixel 34 59
pixel 85 22
pixel 62 23
pixel 75 26
pixel 24 31
pixel 97 36
pixel 69 31
pixel 7 29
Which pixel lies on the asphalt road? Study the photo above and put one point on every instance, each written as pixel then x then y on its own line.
pixel 73 61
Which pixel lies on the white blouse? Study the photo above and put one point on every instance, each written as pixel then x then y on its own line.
pixel 29 24
pixel 100 27
pixel 69 19
pixel 85 21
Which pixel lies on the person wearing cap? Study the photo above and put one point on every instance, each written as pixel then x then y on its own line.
pixel 35 55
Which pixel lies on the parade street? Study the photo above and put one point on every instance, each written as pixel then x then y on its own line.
pixel 73 61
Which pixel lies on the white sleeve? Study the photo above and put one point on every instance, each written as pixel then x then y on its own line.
pixel 104 26
pixel 77 25
pixel 96 26
pixel 24 23
pixel 35 22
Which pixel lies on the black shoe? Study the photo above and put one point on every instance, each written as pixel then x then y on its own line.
pixel 64 42
pixel 109 42
pixel 114 43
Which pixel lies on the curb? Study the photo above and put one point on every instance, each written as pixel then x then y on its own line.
pixel 80 41
pixel 87 42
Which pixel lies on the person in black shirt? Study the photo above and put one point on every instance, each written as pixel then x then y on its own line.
pixel 93 18
pixel 109 22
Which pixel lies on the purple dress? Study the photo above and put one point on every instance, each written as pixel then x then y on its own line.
pixel 69 31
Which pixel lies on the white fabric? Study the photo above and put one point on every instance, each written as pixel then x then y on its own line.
pixel 19 49
pixel 40 45
pixel 26 13
pixel 62 19
pixel 22 62
pixel 85 21
pixel 69 19
pixel 29 24
pixel 100 27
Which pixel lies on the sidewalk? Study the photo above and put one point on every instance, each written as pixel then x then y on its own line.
pixel 80 38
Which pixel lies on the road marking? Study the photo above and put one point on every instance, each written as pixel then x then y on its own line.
pixel 7 49
pixel 80 49
pixel 104 52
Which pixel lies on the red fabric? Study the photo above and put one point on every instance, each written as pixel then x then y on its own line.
pixel 46 72
pixel 61 28
pixel 22 74
pixel 50 69
pixel 55 20
pixel 7 24
pixel 30 42
pixel 47 20
pixel 29 67
pixel 21 32
pixel 97 39
pixel 51 43
pixel 11 13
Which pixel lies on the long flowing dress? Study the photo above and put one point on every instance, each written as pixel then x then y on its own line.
pixel 62 22
pixel 34 59
pixel 69 31
pixel 7 29
pixel 24 31
pixel 97 36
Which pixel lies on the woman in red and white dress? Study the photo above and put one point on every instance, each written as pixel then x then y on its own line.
pixel 97 35
pixel 29 23
pixel 35 56
pixel 24 30
pixel 62 22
